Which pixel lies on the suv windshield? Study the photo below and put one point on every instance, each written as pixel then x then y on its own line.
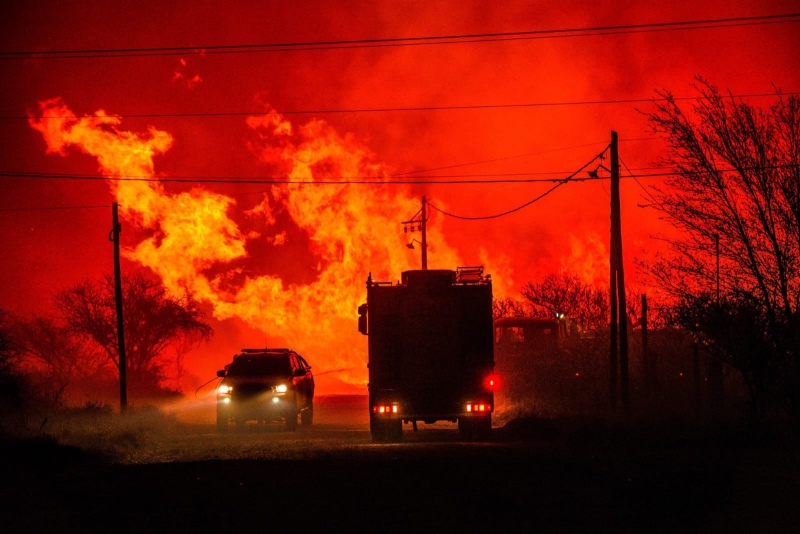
pixel 260 366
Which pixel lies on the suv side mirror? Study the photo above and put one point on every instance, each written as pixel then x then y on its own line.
pixel 299 372
pixel 221 373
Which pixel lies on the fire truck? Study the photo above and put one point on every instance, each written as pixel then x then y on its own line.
pixel 431 352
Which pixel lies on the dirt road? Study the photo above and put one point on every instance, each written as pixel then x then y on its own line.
pixel 551 475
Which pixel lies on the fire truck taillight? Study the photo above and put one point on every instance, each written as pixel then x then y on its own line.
pixel 479 407
pixel 385 408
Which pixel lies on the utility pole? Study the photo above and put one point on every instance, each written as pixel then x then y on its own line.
pixel 716 377
pixel 619 313
pixel 646 361
pixel 114 237
pixel 716 249
pixel 423 227
pixel 696 379
pixel 424 233
pixel 612 301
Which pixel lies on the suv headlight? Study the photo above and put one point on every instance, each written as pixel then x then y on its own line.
pixel 225 390
pixel 281 388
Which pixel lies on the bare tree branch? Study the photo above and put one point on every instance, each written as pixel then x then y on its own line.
pixel 153 321
pixel 736 177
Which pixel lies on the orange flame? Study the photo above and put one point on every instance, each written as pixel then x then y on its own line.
pixel 588 259
pixel 353 229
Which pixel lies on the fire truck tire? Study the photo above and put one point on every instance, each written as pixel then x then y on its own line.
pixel 483 428
pixel 376 430
pixel 465 426
pixel 394 431
pixel 386 431
pixel 307 415
pixel 475 428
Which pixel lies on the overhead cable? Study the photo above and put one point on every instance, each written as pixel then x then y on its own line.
pixel 52 208
pixel 378 180
pixel 561 182
pixel 484 178
pixel 466 107
pixel 209 49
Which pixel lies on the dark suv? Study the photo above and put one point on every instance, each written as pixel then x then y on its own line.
pixel 265 385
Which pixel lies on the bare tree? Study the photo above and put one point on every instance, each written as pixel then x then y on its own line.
pixel 53 358
pixel 565 293
pixel 12 384
pixel 510 307
pixel 735 181
pixel 153 321
pixel 9 356
pixel 8 351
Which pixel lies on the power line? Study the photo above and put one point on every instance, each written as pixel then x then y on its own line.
pixel 466 107
pixel 667 174
pixel 51 208
pixel 646 192
pixel 396 178
pixel 281 181
pixel 429 179
pixel 601 155
pixel 559 182
pixel 495 160
pixel 405 41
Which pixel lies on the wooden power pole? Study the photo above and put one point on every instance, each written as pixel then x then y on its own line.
pixel 114 237
pixel 424 233
pixel 647 364
pixel 619 314
pixel 422 223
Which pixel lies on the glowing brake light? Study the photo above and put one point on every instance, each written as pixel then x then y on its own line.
pixel 479 407
pixel 385 408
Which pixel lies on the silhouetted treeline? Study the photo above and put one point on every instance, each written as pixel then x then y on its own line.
pixel 72 358
pixel 729 282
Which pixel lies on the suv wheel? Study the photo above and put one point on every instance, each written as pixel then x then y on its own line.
pixel 307 415
pixel 291 422
pixel 239 422
pixel 291 415
pixel 222 420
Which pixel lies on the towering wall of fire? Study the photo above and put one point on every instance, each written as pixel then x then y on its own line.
pixel 191 241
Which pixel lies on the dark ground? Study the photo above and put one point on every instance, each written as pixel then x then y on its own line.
pixel 562 475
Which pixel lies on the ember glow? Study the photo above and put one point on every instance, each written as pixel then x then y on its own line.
pixel 234 146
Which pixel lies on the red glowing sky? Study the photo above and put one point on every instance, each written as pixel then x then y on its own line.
pixel 202 101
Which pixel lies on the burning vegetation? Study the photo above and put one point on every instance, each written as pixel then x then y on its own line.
pixel 193 243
